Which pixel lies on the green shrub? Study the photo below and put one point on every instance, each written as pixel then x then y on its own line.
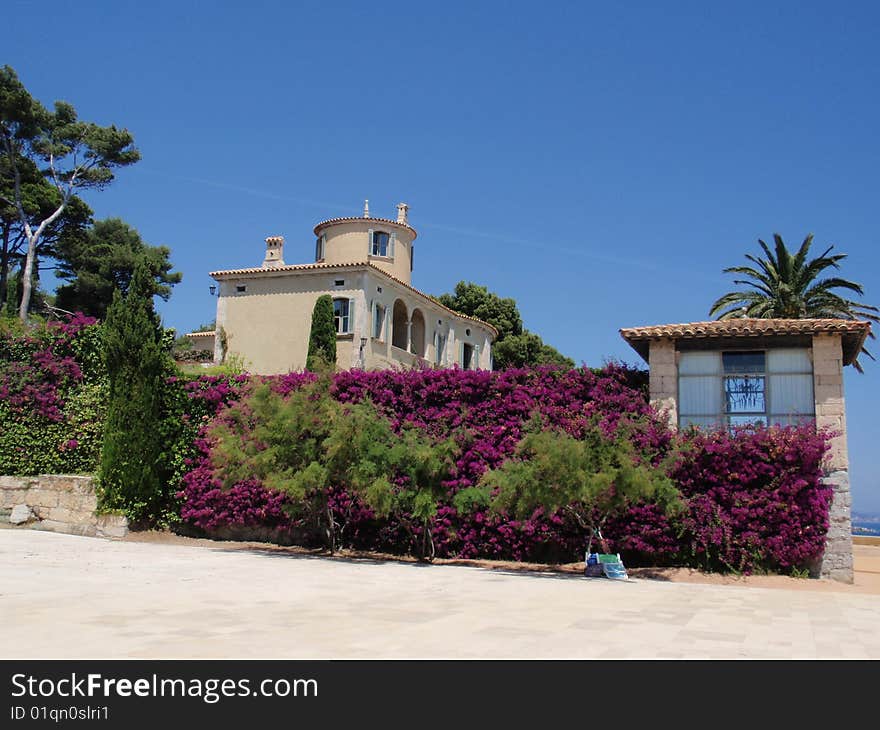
pixel 322 338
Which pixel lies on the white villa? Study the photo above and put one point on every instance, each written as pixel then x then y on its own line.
pixel 264 313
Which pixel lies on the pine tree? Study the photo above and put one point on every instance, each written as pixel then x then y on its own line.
pixel 132 473
pixel 322 338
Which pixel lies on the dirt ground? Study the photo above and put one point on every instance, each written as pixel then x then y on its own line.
pixel 866 557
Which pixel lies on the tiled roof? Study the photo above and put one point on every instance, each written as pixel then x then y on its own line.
pixel 228 273
pixel 201 334
pixel 286 267
pixel 853 331
pixel 361 219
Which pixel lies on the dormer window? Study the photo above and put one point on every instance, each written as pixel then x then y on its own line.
pixel 379 244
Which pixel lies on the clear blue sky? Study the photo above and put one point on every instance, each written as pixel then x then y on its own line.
pixel 599 162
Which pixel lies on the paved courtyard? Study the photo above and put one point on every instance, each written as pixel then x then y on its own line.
pixel 73 597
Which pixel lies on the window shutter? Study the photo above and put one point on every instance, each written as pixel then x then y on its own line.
pixel 475 358
pixel 412 253
pixel 350 315
pixel 391 242
pixel 389 324
pixel 372 325
pixel 461 354
pixel 370 243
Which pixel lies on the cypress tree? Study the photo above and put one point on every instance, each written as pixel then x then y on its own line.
pixel 322 338
pixel 132 473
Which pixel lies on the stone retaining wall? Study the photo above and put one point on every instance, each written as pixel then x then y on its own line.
pixel 58 503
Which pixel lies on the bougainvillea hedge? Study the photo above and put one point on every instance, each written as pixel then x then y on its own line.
pixel 52 395
pixel 755 499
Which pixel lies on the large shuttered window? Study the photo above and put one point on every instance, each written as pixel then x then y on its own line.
pixel 722 389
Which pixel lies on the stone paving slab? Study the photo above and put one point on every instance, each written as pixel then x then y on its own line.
pixel 63 596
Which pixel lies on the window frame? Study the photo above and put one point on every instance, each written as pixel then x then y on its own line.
pixel 340 320
pixel 379 316
pixel 729 419
pixel 374 249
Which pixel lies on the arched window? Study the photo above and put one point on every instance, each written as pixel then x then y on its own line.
pixel 417 334
pixel 400 325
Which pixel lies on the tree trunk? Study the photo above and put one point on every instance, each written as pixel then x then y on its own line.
pixel 427 544
pixel 26 279
pixel 4 265
pixel 329 529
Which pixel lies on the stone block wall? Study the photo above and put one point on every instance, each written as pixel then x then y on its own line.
pixel 837 562
pixel 59 503
pixel 663 378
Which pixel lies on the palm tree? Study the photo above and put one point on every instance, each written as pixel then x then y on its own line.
pixel 784 285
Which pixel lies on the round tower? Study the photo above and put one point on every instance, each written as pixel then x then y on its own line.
pixel 383 242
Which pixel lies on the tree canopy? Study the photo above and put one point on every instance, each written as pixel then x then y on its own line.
pixel 787 285
pixel 101 260
pixel 588 479
pixel 514 346
pixel 69 154
pixel 39 198
pixel 134 470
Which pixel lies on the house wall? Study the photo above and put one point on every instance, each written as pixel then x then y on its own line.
pixel 268 324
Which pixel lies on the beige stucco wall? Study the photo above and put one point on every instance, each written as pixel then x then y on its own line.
pixel 663 378
pixel 828 389
pixel 350 242
pixel 201 340
pixel 268 324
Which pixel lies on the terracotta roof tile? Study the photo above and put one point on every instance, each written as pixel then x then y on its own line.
pixel 361 219
pixel 853 331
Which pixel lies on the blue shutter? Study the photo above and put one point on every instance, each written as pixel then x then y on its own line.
pixel 391 241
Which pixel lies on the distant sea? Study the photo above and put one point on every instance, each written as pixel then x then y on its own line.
pixel 866 527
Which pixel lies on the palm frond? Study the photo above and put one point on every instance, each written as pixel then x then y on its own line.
pixel 801 256
pixel 783 259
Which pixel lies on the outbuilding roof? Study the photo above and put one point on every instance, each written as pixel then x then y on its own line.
pixel 293 268
pixel 853 332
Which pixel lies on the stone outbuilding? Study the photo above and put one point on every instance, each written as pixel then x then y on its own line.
pixel 365 264
pixel 771 371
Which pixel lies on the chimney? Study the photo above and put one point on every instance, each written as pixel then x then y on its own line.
pixel 366 209
pixel 402 209
pixel 274 252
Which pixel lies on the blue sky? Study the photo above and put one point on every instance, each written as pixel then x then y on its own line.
pixel 599 162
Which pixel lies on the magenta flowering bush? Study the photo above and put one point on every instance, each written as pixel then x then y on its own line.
pixel 51 397
pixel 754 497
